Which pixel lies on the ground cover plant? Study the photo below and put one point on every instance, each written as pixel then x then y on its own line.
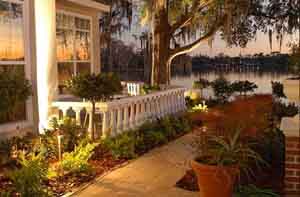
pixel 32 166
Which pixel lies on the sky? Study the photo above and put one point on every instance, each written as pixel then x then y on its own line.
pixel 259 45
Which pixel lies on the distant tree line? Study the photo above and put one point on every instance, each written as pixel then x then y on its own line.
pixel 274 62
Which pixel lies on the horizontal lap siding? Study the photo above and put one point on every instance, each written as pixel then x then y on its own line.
pixel 292 166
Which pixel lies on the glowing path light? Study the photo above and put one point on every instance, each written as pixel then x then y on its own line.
pixel 45 23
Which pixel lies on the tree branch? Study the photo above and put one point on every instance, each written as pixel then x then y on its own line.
pixel 188 48
pixel 187 18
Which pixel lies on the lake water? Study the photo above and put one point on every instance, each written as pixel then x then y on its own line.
pixel 262 80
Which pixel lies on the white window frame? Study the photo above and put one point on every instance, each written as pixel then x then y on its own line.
pixel 28 122
pixel 74 30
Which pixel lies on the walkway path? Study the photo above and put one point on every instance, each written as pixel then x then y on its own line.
pixel 152 175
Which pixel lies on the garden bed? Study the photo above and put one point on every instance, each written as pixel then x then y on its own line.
pixel 253 115
pixel 83 163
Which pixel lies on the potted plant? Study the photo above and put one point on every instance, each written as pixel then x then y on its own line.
pixel 219 162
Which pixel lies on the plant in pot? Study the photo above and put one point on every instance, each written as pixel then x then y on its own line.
pixel 219 162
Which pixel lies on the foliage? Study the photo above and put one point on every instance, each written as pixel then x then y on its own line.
pixel 200 108
pixel 77 160
pixel 222 89
pixel 201 84
pixel 224 151
pixel 253 191
pixel 10 148
pixel 122 146
pixel 71 132
pixel 294 60
pixel 149 135
pixel 14 90
pixel 277 89
pixel 28 179
pixel 146 89
pixel 281 110
pixel 95 88
pixel 243 87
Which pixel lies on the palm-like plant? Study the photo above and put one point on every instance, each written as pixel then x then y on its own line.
pixel 228 151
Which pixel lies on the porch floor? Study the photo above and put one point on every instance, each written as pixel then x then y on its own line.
pixel 152 175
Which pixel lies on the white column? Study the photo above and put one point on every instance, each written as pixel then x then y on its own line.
pixel 125 121
pixel 104 125
pixel 143 112
pixel 45 26
pixel 119 120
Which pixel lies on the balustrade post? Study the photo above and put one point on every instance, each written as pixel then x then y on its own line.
pixel 132 117
pixel 77 116
pixel 119 120
pixel 104 125
pixel 142 114
pixel 90 127
pixel 64 112
pixel 137 113
pixel 125 121
pixel 113 122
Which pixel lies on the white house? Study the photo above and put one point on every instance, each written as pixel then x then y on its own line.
pixel 49 40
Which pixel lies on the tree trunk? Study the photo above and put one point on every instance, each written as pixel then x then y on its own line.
pixel 161 44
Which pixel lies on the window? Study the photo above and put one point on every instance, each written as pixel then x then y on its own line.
pixel 12 55
pixel 73 34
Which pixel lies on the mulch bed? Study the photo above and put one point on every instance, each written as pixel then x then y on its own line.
pixel 67 183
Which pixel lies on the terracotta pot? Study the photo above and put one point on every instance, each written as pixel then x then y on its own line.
pixel 215 181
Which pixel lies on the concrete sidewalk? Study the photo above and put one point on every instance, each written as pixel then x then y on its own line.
pixel 152 175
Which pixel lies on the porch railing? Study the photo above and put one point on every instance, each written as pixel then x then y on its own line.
pixel 128 113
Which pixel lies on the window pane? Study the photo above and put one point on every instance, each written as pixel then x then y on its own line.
pixel 65 45
pixel 64 21
pixel 11 32
pixel 19 112
pixel 83 24
pixel 82 45
pixel 83 68
pixel 65 72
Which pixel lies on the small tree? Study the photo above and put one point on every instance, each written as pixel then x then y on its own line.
pixel 243 87
pixel 201 84
pixel 222 89
pixel 14 90
pixel 95 88
pixel 277 89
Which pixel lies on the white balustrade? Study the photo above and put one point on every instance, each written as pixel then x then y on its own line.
pixel 134 88
pixel 128 113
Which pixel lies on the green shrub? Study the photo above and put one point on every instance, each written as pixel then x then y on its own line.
pixel 14 91
pixel 9 148
pixel 277 89
pixel 28 179
pixel 154 138
pixel 72 133
pixel 122 146
pixel 77 160
pixel 242 87
pixel 222 89
pixel 146 89
pixel 253 191
pixel 165 126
